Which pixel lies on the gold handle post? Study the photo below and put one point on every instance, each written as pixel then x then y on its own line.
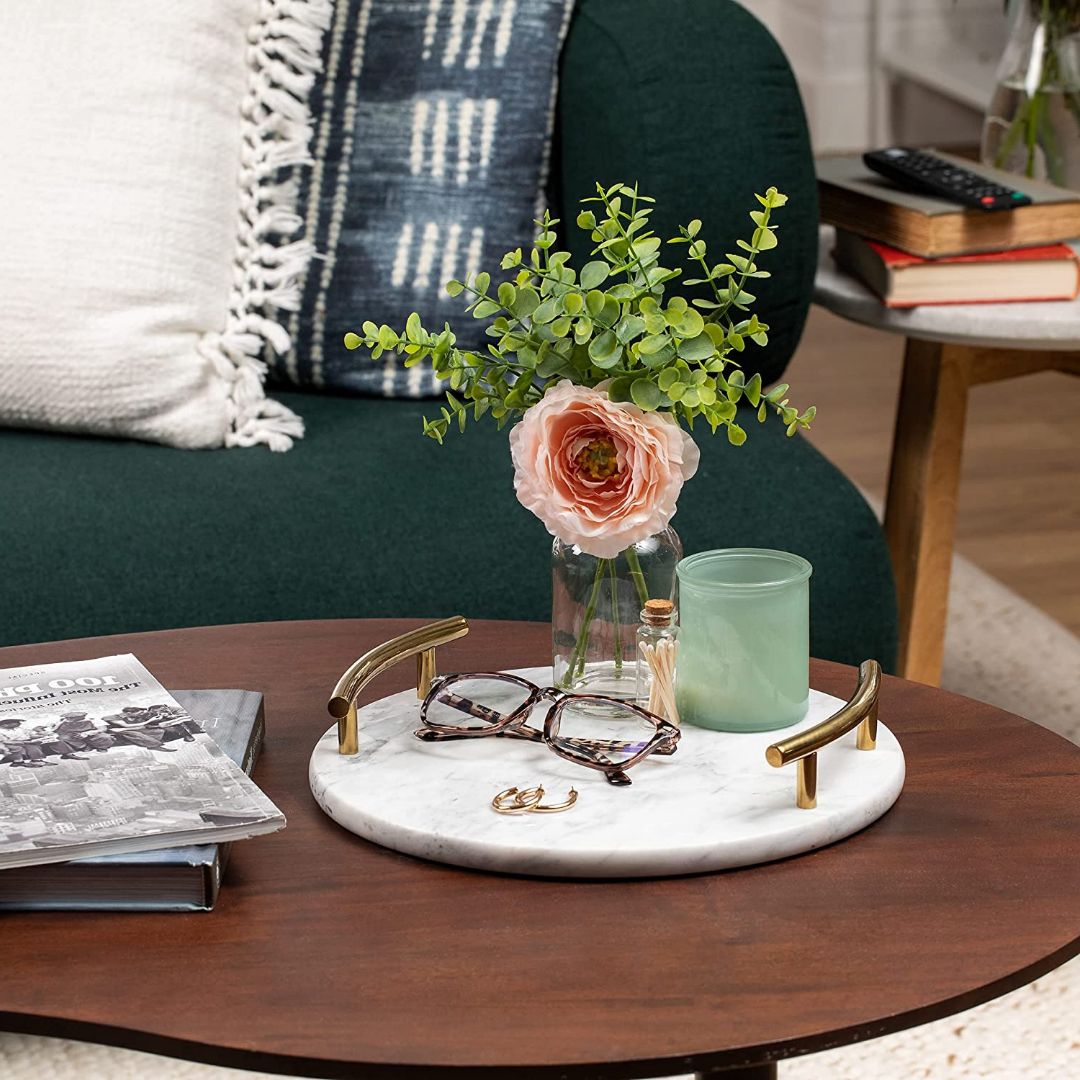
pixel 420 643
pixel 860 711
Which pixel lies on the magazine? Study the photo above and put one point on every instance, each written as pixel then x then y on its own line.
pixel 97 758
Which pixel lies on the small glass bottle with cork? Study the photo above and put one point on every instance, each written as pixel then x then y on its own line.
pixel 657 650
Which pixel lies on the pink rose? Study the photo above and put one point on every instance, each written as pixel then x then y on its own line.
pixel 598 473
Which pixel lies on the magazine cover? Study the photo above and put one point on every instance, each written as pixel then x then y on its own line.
pixel 96 758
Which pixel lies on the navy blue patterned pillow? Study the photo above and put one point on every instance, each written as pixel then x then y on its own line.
pixel 432 128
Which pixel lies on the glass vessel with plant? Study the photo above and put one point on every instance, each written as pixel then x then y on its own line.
pixel 606 374
pixel 1033 123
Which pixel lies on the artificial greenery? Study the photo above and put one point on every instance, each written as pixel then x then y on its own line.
pixel 612 324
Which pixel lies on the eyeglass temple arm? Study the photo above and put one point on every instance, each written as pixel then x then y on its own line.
pixel 860 711
pixel 420 643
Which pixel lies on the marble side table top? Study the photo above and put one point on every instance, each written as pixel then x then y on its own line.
pixel 714 804
pixel 1047 325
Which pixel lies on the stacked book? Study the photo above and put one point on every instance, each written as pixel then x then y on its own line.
pixel 914 249
pixel 115 794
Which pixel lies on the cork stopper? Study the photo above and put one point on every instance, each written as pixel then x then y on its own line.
pixel 657 612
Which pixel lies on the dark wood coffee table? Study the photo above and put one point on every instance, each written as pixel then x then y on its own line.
pixel 330 957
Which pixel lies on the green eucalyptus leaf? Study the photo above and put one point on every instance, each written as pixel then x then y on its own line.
pixel 653 344
pixel 629 327
pixel 594 302
pixel 353 341
pixel 735 434
pixel 645 394
pixel 546 311
pixel 526 302
pixel 454 288
pixel 603 347
pixel 593 274
pixel 697 348
pixel 507 295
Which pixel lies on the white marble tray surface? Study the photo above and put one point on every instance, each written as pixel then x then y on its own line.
pixel 714 804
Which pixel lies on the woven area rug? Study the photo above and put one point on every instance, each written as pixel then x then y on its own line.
pixel 997 648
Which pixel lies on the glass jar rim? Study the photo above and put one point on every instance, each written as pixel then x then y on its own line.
pixel 690 569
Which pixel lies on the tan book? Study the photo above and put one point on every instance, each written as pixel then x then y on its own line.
pixel 856 199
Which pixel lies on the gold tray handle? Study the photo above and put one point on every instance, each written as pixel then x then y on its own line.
pixel 861 711
pixel 420 643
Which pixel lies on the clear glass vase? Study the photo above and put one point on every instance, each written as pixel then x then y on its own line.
pixel 1033 123
pixel 596 611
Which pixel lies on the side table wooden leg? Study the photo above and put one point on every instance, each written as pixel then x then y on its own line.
pixel 920 511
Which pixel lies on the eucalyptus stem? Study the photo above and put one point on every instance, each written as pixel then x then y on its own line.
pixel 577 657
pixel 636 575
pixel 616 625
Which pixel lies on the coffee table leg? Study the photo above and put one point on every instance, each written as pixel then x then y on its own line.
pixel 920 511
pixel 745 1072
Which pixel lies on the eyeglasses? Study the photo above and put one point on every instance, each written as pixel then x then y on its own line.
pixel 582 728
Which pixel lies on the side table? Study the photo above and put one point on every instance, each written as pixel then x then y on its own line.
pixel 328 956
pixel 949 349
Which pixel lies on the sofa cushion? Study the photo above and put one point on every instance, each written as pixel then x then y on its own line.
pixel 147 244
pixel 433 133
pixel 366 517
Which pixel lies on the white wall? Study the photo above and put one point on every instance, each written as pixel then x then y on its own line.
pixel 879 71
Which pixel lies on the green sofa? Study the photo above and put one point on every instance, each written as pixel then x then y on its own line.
pixel 365 517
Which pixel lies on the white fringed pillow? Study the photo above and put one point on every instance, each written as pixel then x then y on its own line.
pixel 148 246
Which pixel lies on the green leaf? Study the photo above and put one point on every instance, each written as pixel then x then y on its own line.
pixel 526 302
pixel 586 220
pixel 764 239
pixel 694 227
pixel 645 394
pixel 546 311
pixel 691 324
pixel 593 274
pixel 655 323
pixel 481 282
pixel 507 295
pixel 485 308
pixel 753 389
pixel 387 338
pixel 454 288
pixel 667 378
pixel 573 303
pixel 619 388
pixel 761 413
pixel 561 326
pixel 653 344
pixel 676 390
pixel 697 348
pixel 594 302
pixel 352 341
pixel 583 329
pixel 629 327
pixel 735 434
pixel 777 393
pixel 603 347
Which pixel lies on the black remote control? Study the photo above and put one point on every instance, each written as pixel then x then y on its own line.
pixel 920 170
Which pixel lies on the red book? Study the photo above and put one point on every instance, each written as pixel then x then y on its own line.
pixel 903 280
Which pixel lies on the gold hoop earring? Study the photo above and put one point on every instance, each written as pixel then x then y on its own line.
pixel 513 801
pixel 558 808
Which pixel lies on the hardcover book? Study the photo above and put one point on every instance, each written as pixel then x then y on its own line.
pixel 169 879
pixel 97 758
pixel 856 199
pixel 903 280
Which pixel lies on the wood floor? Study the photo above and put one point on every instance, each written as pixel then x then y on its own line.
pixel 1019 515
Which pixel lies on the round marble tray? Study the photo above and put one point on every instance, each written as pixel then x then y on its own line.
pixel 716 803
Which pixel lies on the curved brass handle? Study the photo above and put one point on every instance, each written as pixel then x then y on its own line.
pixel 860 711
pixel 420 643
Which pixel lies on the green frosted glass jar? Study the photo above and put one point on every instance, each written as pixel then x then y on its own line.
pixel 744 648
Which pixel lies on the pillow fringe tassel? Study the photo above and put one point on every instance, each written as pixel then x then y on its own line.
pixel 284 55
